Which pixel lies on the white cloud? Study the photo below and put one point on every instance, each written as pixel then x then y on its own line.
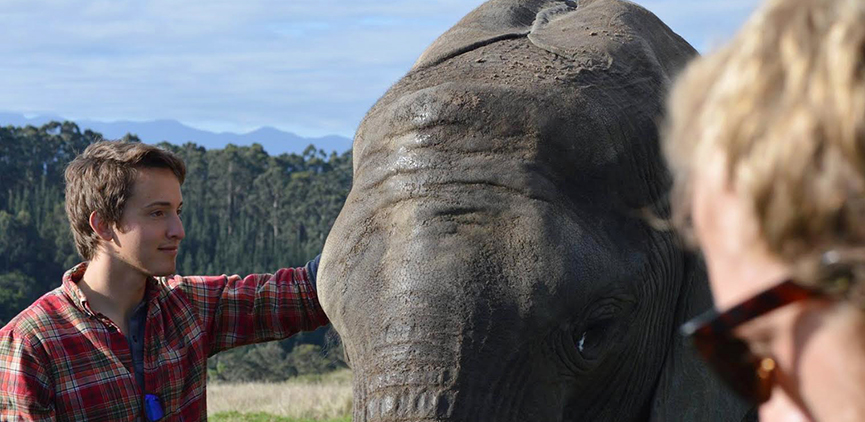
pixel 313 67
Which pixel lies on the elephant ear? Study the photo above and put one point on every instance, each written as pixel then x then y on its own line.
pixel 687 389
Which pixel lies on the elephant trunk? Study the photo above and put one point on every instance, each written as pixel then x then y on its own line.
pixel 405 397
pixel 434 394
pixel 447 370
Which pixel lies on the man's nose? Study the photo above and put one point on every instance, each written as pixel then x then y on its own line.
pixel 175 229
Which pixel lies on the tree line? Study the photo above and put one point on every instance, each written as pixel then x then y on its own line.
pixel 245 211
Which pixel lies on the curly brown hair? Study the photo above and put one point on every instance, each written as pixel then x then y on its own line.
pixel 101 179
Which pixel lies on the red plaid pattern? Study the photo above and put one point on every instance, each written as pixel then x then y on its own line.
pixel 61 361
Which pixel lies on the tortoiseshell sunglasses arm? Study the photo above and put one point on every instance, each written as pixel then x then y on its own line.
pixel 714 322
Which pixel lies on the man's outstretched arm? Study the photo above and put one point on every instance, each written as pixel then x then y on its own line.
pixel 237 311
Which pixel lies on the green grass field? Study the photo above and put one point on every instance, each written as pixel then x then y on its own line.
pixel 265 417
pixel 314 398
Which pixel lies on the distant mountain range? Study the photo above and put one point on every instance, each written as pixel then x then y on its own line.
pixel 273 140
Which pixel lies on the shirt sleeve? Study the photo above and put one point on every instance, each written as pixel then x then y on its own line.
pixel 27 391
pixel 237 311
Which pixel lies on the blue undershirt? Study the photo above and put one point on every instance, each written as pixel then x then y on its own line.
pixel 135 337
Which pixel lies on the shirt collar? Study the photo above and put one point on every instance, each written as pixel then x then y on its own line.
pixel 71 289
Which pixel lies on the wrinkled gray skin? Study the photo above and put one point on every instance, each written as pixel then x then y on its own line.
pixel 490 263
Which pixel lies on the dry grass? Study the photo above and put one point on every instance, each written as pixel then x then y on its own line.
pixel 322 397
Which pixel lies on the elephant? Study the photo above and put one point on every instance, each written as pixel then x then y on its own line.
pixel 493 260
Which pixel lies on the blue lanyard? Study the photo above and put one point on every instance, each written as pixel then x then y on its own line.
pixel 153 408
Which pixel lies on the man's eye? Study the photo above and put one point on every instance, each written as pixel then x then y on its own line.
pixel 156 214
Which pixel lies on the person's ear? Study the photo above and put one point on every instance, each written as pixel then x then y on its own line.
pixel 101 227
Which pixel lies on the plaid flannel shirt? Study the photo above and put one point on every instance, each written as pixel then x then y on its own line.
pixel 61 361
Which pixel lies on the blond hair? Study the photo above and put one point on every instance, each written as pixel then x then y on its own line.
pixel 101 179
pixel 784 105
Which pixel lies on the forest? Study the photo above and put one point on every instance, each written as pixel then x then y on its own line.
pixel 245 211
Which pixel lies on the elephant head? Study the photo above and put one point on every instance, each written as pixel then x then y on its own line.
pixel 491 262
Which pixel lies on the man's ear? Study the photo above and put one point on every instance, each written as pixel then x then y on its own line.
pixel 101 227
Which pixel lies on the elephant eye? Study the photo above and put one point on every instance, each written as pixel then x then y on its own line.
pixel 590 341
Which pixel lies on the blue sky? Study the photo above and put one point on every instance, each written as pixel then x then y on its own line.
pixel 312 67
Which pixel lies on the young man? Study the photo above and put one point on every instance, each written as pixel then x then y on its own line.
pixel 122 338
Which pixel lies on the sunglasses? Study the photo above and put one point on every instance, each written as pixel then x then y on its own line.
pixel 749 375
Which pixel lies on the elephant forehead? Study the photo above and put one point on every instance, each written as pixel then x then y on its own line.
pixel 573 91
pixel 511 108
pixel 476 116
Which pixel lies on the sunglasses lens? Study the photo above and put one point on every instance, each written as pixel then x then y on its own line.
pixel 731 359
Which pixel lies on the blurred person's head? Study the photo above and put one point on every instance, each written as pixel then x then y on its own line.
pixel 123 201
pixel 766 142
